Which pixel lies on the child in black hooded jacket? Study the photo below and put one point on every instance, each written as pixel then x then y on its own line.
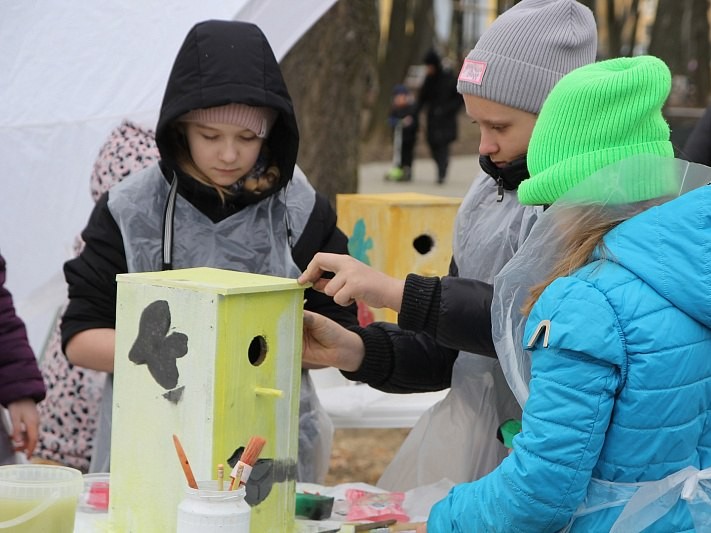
pixel 228 141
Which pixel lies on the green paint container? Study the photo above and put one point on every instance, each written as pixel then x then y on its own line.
pixel 39 498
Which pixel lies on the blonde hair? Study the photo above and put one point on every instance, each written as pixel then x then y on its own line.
pixel 584 227
pixel 576 252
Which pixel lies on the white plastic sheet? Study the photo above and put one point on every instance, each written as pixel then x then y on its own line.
pixel 70 71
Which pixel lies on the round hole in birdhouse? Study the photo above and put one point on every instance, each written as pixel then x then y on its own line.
pixel 423 244
pixel 257 350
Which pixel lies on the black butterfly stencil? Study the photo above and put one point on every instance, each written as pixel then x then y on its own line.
pixel 155 348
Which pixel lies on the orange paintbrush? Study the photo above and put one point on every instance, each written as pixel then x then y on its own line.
pixel 184 463
pixel 240 473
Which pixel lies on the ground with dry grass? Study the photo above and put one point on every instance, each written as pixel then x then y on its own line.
pixel 362 454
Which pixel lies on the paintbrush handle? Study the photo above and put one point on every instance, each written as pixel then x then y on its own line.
pixel 184 463
pixel 220 477
pixel 375 525
pixel 405 526
pixel 240 473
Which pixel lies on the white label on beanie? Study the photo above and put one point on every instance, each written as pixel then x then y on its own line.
pixel 472 71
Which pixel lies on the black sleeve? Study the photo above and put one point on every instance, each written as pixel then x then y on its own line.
pixel 698 146
pixel 453 100
pixel 91 277
pixel 402 361
pixel 438 318
pixel 464 320
pixel 426 95
pixel 454 311
pixel 321 235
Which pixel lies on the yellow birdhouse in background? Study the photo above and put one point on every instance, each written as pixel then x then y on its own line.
pixel 397 234
pixel 213 356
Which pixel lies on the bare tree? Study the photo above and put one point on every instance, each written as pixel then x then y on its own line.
pixel 680 36
pixel 410 33
pixel 699 52
pixel 328 73
pixel 667 32
pixel 617 21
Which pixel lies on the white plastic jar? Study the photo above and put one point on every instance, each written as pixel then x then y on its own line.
pixel 208 510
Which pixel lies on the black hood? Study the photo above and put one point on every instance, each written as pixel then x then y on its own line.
pixel 223 62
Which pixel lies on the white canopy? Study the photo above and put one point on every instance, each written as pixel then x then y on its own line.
pixel 70 71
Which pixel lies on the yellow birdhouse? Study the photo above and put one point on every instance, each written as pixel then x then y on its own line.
pixel 214 357
pixel 398 234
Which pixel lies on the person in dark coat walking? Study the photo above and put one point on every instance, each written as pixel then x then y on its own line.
pixel 21 385
pixel 440 98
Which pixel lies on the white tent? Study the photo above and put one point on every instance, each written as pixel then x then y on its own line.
pixel 70 71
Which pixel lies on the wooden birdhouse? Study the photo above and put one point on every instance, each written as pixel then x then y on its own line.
pixel 214 357
pixel 397 234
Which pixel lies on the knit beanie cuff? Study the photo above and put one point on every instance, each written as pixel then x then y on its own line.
pixel 505 80
pixel 257 119
pixel 526 50
pixel 555 181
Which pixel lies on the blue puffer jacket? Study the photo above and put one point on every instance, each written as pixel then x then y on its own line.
pixel 623 390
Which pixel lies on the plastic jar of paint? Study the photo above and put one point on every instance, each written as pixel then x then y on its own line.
pixel 38 498
pixel 208 510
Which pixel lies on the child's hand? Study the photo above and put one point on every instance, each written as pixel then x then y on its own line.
pixel 326 342
pixel 353 281
pixel 25 425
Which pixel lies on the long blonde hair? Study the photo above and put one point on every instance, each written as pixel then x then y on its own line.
pixel 583 234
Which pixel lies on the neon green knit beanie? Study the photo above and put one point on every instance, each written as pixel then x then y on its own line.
pixel 597 115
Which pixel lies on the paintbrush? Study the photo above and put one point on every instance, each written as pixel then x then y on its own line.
pixel 405 526
pixel 389 525
pixel 220 477
pixel 375 525
pixel 243 468
pixel 184 463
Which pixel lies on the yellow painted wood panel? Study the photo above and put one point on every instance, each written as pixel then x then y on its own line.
pixel 399 233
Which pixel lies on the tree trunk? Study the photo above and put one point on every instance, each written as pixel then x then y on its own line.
pixel 700 51
pixel 667 37
pixel 614 31
pixel 328 73
pixel 634 14
pixel 403 48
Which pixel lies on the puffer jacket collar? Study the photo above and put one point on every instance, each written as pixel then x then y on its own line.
pixel 669 247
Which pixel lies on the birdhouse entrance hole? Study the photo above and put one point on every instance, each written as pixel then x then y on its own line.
pixel 257 350
pixel 423 244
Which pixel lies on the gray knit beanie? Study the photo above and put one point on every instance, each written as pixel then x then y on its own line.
pixel 525 51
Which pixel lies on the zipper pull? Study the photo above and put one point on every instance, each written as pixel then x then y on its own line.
pixel 500 185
